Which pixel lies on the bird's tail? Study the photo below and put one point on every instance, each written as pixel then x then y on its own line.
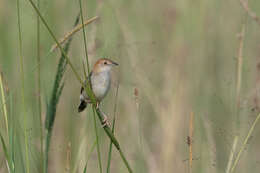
pixel 82 106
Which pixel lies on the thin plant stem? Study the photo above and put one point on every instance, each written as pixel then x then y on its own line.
pixel 5 152
pixel 244 143
pixel 125 161
pixel 4 102
pixel 231 156
pixel 39 86
pixel 87 89
pixel 47 146
pixel 190 141
pixel 239 73
pixel 97 139
pixel 90 152
pixel 84 35
pixel 22 87
pixel 71 33
pixel 113 129
pixel 55 39
pixel 84 70
pixel 136 95
pixel 8 155
pixel 238 93
pixel 56 93
pixel 12 132
pixel 250 13
pixel 86 52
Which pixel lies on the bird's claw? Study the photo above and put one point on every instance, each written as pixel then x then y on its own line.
pixel 105 122
pixel 105 119
pixel 97 105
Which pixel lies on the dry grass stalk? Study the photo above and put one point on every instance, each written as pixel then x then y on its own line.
pixel 136 94
pixel 240 63
pixel 242 148
pixel 232 153
pixel 68 157
pixel 76 29
pixel 250 13
pixel 189 141
pixel 4 101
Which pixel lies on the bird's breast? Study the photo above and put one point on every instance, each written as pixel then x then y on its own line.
pixel 100 84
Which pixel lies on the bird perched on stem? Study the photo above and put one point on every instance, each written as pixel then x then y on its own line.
pixel 100 79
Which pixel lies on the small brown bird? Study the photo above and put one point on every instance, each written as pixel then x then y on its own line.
pixel 100 79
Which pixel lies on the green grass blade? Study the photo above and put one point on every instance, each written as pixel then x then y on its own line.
pixel 56 93
pixel 110 149
pixel 244 143
pixel 86 52
pixel 84 35
pixel 19 152
pixel 114 140
pixel 11 144
pixel 90 152
pixel 87 89
pixel 231 156
pixel 85 169
pixel 39 87
pixel 55 39
pixel 4 102
pixel 97 139
pixel 113 129
pixel 12 132
pixel 6 153
pixel 22 88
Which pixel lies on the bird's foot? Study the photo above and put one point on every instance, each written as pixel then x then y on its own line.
pixel 105 121
pixel 97 105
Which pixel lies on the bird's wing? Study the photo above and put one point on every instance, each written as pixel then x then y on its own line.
pixel 88 81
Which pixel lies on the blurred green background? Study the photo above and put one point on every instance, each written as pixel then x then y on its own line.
pixel 176 57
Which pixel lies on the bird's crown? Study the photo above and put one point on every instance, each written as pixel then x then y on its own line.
pixel 103 64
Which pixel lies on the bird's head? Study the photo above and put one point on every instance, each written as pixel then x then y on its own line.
pixel 104 65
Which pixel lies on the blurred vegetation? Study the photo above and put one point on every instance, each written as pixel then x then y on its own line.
pixel 176 57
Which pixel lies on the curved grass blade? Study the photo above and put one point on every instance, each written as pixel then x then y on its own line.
pixel 7 157
pixel 91 151
pixel 87 89
pixel 56 93
pixel 113 129
pixel 22 87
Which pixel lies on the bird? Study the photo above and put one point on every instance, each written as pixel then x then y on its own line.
pixel 100 80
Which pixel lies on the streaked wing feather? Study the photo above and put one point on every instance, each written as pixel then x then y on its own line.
pixel 88 79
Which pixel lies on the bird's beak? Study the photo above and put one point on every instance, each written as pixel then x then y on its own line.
pixel 114 63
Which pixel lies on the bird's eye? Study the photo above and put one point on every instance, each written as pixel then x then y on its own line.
pixel 105 62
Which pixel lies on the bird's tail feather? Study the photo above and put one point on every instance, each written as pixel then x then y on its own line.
pixel 82 106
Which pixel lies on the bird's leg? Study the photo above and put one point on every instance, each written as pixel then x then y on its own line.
pixel 105 119
pixel 97 106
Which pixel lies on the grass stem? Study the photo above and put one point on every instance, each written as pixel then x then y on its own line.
pixel 52 105
pixel 113 129
pixel 97 139
pixel 87 89
pixel 190 141
pixel 94 116
pixel 244 143
pixel 239 73
pixel 89 154
pixel 22 88
pixel 39 86
pixel 231 156
pixel 84 36
pixel 250 13
pixel 4 102
pixel 72 32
